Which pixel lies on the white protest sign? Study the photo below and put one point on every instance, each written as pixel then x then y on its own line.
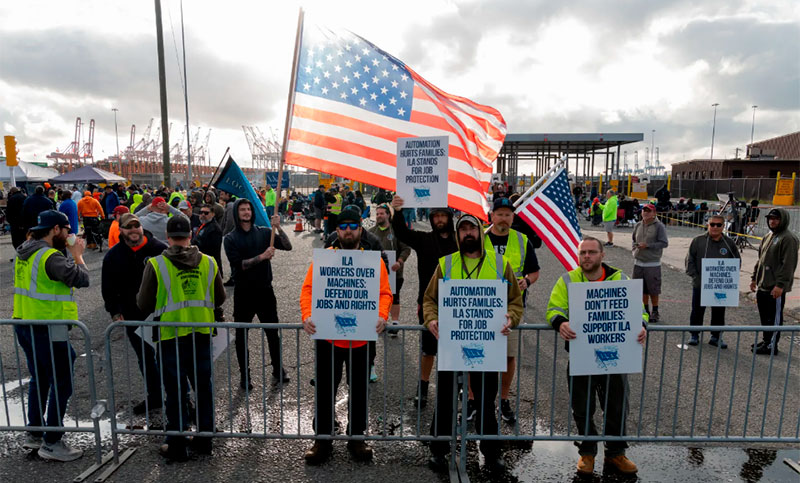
pixel 471 315
pixel 219 342
pixel 422 171
pixel 391 255
pixel 607 318
pixel 345 294
pixel 719 282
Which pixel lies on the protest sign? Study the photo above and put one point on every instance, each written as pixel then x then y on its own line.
pixel 422 171
pixel 607 318
pixel 391 256
pixel 471 315
pixel 719 282
pixel 345 294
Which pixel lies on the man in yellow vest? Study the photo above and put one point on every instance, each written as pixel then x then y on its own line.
pixel 472 261
pixel 519 252
pixel 44 279
pixel 334 200
pixel 184 285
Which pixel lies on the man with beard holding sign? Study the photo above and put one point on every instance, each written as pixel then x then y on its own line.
pixel 473 260
pixel 611 389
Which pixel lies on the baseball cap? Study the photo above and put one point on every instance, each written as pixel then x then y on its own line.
pixel 349 214
pixel 179 227
pixel 121 209
pixel 157 200
pixel 127 218
pixel 774 213
pixel 184 205
pixel 503 203
pixel 466 218
pixel 649 207
pixel 50 218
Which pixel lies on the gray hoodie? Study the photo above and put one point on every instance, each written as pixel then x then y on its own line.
pixel 58 266
pixel 777 257
pixel 655 235
pixel 156 223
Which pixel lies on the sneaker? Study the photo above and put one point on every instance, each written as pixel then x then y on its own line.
pixel 622 464
pixel 360 450
pixel 32 442
pixel 506 412
pixel 472 409
pixel 694 340
pixel 586 464
pixel 373 376
pixel 717 342
pixel 319 453
pixel 766 349
pixel 58 451
pixel 655 317
pixel 393 332
pixel 422 394
pixel 609 244
pixel 282 379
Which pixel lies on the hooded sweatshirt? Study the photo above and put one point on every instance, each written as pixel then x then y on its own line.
pixel 137 200
pixel 146 199
pixel 777 257
pixel 184 258
pixel 241 245
pixel 655 235
pixel 156 223
pixel 704 246
pixel 219 211
pixel 514 308
pixel 429 247
pixel 119 293
pixel 58 266
pixel 70 208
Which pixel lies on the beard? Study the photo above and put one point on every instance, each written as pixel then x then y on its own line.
pixel 60 243
pixel 470 244
pixel 348 243
pixel 440 227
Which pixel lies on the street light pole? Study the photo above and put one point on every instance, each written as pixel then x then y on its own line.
pixel 713 128
pixel 753 126
pixel 162 84
pixel 116 134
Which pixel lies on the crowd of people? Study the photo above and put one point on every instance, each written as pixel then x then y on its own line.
pixel 169 246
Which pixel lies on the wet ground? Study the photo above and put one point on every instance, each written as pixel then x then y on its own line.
pixel 701 390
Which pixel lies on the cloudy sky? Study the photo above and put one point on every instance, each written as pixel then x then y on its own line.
pixel 573 66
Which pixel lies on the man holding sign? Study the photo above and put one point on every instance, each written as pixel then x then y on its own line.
pixel 347 285
pixel 471 324
pixel 708 260
pixel 611 388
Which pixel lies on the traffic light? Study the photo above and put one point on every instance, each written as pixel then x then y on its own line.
pixel 11 151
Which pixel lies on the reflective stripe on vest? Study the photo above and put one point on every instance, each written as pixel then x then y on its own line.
pixel 336 206
pixel 167 280
pixel 33 291
pixel 448 266
pixel 522 244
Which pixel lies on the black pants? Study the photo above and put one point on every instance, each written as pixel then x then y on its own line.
pixel 146 355
pixel 179 358
pixel 330 224
pixel 326 383
pixel 248 302
pixel 767 306
pixel 698 312
pixel 91 229
pixel 18 236
pixel 484 388
pixel 584 389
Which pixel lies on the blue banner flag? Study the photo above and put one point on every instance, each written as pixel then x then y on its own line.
pixel 233 180
pixel 272 179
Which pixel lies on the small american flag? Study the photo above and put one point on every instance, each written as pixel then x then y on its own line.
pixel 353 101
pixel 551 213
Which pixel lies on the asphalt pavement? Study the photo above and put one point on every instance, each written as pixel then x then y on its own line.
pixel 699 391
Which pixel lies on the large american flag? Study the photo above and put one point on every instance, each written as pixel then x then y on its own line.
pixel 353 101
pixel 551 213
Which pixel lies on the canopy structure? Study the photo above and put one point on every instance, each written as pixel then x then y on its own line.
pixel 88 174
pixel 546 149
pixel 26 173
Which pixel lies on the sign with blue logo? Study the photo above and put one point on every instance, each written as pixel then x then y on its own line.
pixel 719 282
pixel 422 171
pixel 345 294
pixel 607 318
pixel 471 315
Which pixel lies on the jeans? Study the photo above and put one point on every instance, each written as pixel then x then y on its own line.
pixel 51 365
pixel 270 210
pixel 179 358
pixel 698 312
pixel 584 389
pixel 326 383
pixel 146 355
pixel 767 307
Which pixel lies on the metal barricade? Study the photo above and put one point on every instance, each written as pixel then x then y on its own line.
pixel 698 394
pixel 47 354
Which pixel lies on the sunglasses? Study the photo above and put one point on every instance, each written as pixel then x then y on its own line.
pixel 133 224
pixel 715 225
pixel 205 212
pixel 352 226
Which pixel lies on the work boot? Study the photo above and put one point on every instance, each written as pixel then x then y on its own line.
pixel 422 394
pixel 318 453
pixel 766 349
pixel 586 464
pixel 622 464
pixel 58 451
pixel 360 450
pixel 717 342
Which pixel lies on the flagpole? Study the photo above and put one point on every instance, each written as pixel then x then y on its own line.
pixel 211 181
pixel 539 181
pixel 289 108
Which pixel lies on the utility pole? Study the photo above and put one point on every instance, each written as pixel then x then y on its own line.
pixel 162 83
pixel 116 133
pixel 753 126
pixel 713 128
pixel 186 105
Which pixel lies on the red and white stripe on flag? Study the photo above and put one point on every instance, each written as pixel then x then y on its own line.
pixel 346 120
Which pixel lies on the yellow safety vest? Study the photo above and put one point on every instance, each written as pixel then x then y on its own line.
pixel 492 268
pixel 38 297
pixel 515 250
pixel 336 207
pixel 184 295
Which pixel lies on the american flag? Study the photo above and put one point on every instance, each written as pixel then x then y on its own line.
pixel 551 213
pixel 353 101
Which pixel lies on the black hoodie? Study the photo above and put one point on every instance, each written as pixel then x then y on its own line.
pixel 122 276
pixel 430 246
pixel 241 245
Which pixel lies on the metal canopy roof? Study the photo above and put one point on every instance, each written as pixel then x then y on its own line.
pixel 573 143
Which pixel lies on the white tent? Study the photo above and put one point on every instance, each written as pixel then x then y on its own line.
pixel 26 173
